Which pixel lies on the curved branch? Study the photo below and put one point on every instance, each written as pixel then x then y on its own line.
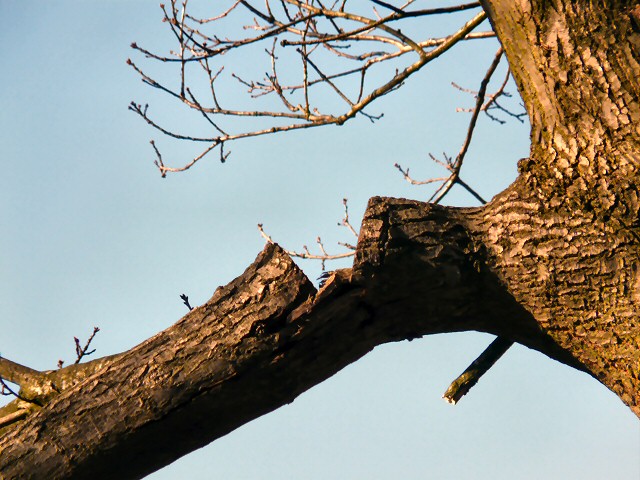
pixel 268 336
pixel 481 365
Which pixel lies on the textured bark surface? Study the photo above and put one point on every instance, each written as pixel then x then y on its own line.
pixel 551 263
pixel 256 345
pixel 111 425
pixel 565 236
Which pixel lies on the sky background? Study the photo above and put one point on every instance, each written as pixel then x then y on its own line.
pixel 92 236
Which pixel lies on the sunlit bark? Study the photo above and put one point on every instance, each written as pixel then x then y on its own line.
pixel 551 263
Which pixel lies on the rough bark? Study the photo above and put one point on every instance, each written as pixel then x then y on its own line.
pixel 564 237
pixel 257 344
pixel 551 263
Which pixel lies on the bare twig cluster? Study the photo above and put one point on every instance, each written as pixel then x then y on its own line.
pixel 82 352
pixel 493 104
pixel 454 165
pixel 338 50
pixel 323 255
pixel 185 300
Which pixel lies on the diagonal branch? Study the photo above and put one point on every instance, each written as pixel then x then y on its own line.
pixel 16 373
pixel 305 25
pixel 467 379
pixel 457 164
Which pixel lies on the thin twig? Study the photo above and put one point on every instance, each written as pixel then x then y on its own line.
pixel 304 21
pixel 6 388
pixel 306 253
pixel 82 351
pixel 185 300
pixel 345 220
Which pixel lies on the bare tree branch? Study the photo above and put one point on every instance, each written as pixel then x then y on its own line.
pixel 311 28
pixel 457 164
pixel 82 352
pixel 306 25
pixel 467 379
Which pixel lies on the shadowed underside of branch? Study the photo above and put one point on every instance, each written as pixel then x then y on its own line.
pixel 256 345
pixel 267 337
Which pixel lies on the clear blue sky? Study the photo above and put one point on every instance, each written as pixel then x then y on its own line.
pixel 92 236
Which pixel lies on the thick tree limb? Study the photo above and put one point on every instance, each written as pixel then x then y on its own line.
pixel 551 263
pixel 267 337
pixel 573 260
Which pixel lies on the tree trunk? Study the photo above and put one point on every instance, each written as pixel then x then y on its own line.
pixel 551 263
pixel 564 238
